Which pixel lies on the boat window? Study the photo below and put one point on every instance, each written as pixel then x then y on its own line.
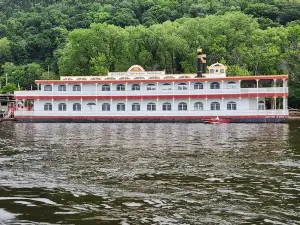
pixel 124 78
pixel 120 87
pixel 105 87
pixel 215 106
pixel 136 87
pixel 151 87
pixel 198 106
pixel 231 84
pixel 76 107
pixel 105 107
pixel 166 86
pixel 167 106
pixel 151 106
pixel 182 86
pixel 48 107
pixel 62 107
pixel 76 87
pixel 231 106
pixel 48 88
pixel 136 107
pixel 184 77
pixel 139 78
pixel 182 106
pixel 261 105
pixel 62 88
pixel 120 107
pixel 154 78
pixel 95 78
pixel 215 85
pixel 198 86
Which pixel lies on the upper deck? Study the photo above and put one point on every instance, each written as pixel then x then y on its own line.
pixel 136 82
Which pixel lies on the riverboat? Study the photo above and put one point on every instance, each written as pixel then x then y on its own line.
pixel 154 96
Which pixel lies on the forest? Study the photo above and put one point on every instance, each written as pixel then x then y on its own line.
pixel 43 39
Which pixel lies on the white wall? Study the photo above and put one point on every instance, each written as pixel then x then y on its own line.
pixel 242 104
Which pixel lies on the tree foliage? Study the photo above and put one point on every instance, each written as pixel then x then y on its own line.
pixel 9 88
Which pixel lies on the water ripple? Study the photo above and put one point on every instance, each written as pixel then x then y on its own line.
pixel 149 174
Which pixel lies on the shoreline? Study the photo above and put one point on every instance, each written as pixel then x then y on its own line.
pixel 292 118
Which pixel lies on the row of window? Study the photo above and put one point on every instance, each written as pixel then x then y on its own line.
pixel 137 87
pixel 128 78
pixel 182 106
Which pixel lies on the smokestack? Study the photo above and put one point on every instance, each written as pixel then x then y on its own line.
pixel 201 63
pixel 203 60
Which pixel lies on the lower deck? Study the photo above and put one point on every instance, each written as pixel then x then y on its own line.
pixel 153 110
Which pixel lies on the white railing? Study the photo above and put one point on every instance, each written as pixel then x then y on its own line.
pixel 153 92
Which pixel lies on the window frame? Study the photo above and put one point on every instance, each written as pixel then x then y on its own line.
pixel 105 107
pixel 215 85
pixel 133 87
pixel 151 106
pixel 182 86
pixel 62 87
pixel 197 85
pixel 105 87
pixel 121 107
pixel 167 106
pixel 136 107
pixel 182 106
pixel 48 87
pixel 76 87
pixel 151 87
pixel 167 85
pixel 120 87
pixel 76 107
pixel 215 106
pixel 231 105
pixel 198 106
pixel 231 85
pixel 261 105
pixel 62 107
pixel 48 106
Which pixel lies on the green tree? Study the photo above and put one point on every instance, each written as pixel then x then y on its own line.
pixel 9 88
pixel 5 51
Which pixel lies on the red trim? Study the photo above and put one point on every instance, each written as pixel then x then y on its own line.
pixel 271 77
pixel 149 117
pixel 244 95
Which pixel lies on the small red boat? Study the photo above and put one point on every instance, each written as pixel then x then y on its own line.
pixel 216 120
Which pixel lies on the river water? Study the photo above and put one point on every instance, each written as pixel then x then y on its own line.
pixel 149 173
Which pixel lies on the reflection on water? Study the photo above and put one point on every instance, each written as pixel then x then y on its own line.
pixel 149 173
